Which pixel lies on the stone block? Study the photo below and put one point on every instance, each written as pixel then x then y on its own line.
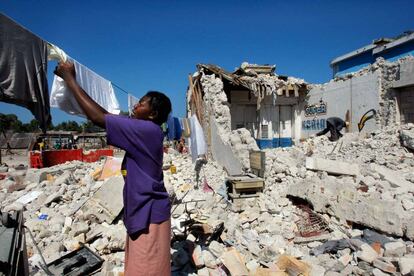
pixel 208 259
pixel 234 262
pixel 35 175
pixel 395 249
pixel 406 264
pixel 384 266
pixel 367 253
pixel 332 166
pixel 377 272
pixel 107 202
pixel 216 248
pixel 409 230
pixel 198 257
pixel 79 228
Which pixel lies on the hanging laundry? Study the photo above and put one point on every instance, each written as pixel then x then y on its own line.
pixel 98 88
pixel 132 101
pixel 170 127
pixel 198 145
pixel 23 74
pixel 177 129
pixel 55 53
pixel 186 127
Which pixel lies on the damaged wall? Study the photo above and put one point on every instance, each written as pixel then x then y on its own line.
pixel 266 107
pixel 358 95
pixel 374 87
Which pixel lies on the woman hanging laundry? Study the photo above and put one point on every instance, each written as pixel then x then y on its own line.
pixel 146 202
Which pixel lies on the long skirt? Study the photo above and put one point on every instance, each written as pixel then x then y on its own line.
pixel 148 252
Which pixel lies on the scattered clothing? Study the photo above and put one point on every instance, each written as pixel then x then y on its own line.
pixel 197 142
pixel 370 236
pixel 334 246
pixel 146 200
pixel 334 125
pixel 98 88
pixel 174 128
pixel 177 129
pixel 23 74
pixel 207 188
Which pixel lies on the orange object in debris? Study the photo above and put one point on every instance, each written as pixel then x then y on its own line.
pixel 173 169
pixel 377 247
pixel 293 266
pixel 35 160
pixel 112 167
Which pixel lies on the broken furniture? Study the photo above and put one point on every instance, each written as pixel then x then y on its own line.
pixel 79 262
pixel 248 185
pixel 244 186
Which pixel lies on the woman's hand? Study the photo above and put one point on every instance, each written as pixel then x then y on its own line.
pixel 65 70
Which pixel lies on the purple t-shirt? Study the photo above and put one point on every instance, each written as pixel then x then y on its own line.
pixel 145 197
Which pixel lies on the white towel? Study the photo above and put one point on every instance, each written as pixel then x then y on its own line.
pixel 98 88
pixel 198 144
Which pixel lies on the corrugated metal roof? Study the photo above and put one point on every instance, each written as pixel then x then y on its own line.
pixel 18 140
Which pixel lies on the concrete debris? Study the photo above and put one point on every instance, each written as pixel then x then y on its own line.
pixel 67 205
pixel 407 138
pixel 332 166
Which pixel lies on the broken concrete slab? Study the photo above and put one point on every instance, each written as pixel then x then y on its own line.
pixel 29 197
pixel 332 166
pixel 107 202
pixel 394 178
pixel 346 203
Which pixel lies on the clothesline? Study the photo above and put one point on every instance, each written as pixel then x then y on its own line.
pixel 120 88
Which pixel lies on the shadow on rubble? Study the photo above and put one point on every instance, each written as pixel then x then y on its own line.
pixel 196 235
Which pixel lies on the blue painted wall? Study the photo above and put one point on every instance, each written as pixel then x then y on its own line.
pixel 274 143
pixel 358 62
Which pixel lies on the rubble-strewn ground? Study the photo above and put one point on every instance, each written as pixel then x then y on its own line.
pixel 361 222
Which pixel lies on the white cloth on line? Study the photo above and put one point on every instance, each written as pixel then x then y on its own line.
pixel 55 53
pixel 132 101
pixel 197 143
pixel 98 88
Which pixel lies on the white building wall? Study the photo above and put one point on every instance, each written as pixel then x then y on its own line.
pixel 358 95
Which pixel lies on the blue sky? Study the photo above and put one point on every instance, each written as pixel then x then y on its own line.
pixel 154 45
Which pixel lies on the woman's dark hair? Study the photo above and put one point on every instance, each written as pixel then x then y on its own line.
pixel 160 104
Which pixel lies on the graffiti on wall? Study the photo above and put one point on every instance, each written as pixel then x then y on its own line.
pixel 315 109
pixel 314 124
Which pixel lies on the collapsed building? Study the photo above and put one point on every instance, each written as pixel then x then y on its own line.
pixel 278 111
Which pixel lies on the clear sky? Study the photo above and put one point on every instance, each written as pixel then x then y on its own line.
pixel 154 45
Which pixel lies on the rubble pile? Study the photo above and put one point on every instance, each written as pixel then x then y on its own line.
pixel 53 200
pixel 328 208
pixel 361 186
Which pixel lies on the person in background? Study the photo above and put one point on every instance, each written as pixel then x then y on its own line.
pixel 147 206
pixel 334 125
